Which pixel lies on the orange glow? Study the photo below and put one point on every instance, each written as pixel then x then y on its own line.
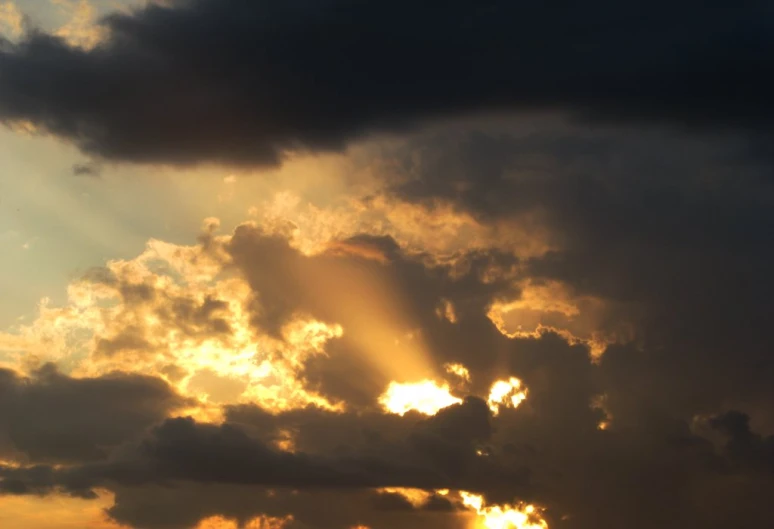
pixel 11 19
pixel 82 29
pixel 520 516
pixel 508 393
pixel 427 397
pixel 416 497
pixel 600 403
pixel 552 307
pixel 373 314
pixel 364 251
pixel 260 522
pixel 286 440
pixel 439 230
pixel 36 512
pixel 458 370
pixel 216 522
pixel 445 310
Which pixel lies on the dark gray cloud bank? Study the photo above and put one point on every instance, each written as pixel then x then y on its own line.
pixel 667 216
pixel 240 81
pixel 51 417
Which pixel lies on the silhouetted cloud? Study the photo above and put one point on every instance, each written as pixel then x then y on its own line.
pixel 240 82
pixel 53 417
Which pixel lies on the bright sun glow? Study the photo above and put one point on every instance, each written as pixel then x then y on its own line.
pixel 508 393
pixel 427 397
pixel 503 516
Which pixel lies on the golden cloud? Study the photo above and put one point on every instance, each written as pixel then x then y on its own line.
pixel 81 29
pixel 172 312
pixel 551 306
pixel 68 512
pixel 11 19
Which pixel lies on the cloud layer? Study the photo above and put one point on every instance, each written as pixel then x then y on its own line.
pixel 576 205
pixel 242 82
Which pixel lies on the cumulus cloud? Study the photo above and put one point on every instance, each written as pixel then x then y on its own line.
pixel 53 417
pixel 244 82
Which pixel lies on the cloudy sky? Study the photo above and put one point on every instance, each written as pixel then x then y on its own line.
pixel 349 264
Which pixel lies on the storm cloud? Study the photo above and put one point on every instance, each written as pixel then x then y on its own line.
pixel 242 82
pixel 577 197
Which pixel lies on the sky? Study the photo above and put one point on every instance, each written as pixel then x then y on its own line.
pixel 386 265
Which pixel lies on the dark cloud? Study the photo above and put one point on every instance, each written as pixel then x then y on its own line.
pixel 240 82
pixel 205 470
pixel 181 449
pixel 671 231
pixel 184 450
pixel 53 417
pixel 743 445
pixel 87 169
pixel 184 504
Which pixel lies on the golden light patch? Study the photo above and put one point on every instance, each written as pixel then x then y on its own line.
pixel 426 397
pixel 600 403
pixel 439 230
pixel 57 511
pixel 446 311
pixel 376 315
pixel 24 127
pixel 363 251
pixel 522 516
pixel 11 19
pixel 506 393
pixel 458 370
pixel 417 497
pixel 81 29
pixel 286 440
pixel 550 307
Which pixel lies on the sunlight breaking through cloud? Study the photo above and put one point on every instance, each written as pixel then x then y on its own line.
pixel 521 516
pixel 427 397
pixel 458 370
pixel 506 393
